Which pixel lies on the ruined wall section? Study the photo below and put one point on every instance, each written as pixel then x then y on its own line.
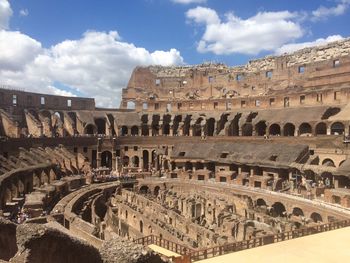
pixel 309 68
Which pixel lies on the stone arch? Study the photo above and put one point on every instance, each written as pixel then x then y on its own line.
pixel 126 160
pixel 321 128
pixel 130 105
pixel 52 175
pixel 275 129
pixel 106 159
pixel 305 129
pixel 247 129
pixel 279 209
pixel 316 217
pixel 233 129
pixel 90 129
pixel 166 124
pixel 144 189
pixel 260 202
pixel 145 158
pixel 100 125
pixel 111 122
pixel 14 191
pixel 134 130
pixel 327 179
pixel 20 187
pixel 328 162
pixel 7 196
pixel 260 128
pixel 156 190
pixel 188 166
pixel 289 129
pixel 155 124
pixel 144 125
pixel 176 123
pixel 210 127
pixel 124 131
pixel 337 128
pixel 135 161
pixel 44 178
pixel 197 127
pixel 59 115
pixel 297 211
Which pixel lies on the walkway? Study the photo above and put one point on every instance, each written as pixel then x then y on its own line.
pixel 327 247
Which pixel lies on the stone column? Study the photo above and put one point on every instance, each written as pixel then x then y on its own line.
pixel 114 156
pixel 98 155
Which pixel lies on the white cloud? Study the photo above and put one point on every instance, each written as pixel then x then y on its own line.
pixel 266 31
pixel 289 48
pixel 97 65
pixel 5 14
pixel 24 12
pixel 325 12
pixel 17 50
pixel 186 2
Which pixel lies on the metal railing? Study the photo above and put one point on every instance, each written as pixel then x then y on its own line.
pixel 164 243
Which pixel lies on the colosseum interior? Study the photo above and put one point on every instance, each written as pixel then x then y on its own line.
pixel 199 161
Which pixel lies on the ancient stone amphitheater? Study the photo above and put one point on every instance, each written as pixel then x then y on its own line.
pixel 198 161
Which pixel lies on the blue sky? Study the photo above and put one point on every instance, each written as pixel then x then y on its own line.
pixel 89 48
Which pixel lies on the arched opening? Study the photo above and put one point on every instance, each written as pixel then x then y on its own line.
pixel 141 226
pixel 197 127
pixel 316 217
pixel 247 129
pixel 275 129
pixel 111 122
pixel 187 125
pixel 288 129
pixel 124 131
pixel 210 127
pixel 327 179
pixel 176 124
pixel 145 157
pixel 233 129
pixel 260 202
pixel 155 125
pixel 278 210
pixel 101 126
pixel 260 128
pixel 144 189
pixel 321 129
pixel 328 162
pixel 188 166
pixel 305 129
pixel 106 159
pixel 144 125
pixel 36 181
pixel 297 211
pixel 166 124
pixel 130 105
pixel 90 129
pixel 126 160
pixel 134 131
pixel 166 129
pixel 337 128
pixel 156 190
pixel 135 161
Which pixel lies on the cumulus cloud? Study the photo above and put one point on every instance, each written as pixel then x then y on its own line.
pixel 24 12
pixel 186 2
pixel 97 65
pixel 290 48
pixel 325 12
pixel 5 14
pixel 266 31
pixel 17 50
